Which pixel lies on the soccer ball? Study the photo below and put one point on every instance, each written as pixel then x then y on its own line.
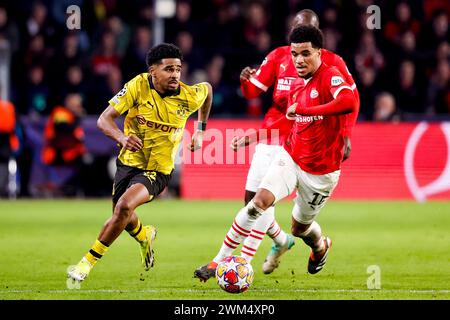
pixel 234 274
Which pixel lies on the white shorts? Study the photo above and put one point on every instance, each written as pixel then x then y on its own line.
pixel 262 158
pixel 313 191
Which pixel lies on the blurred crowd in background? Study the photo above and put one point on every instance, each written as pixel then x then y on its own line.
pixel 404 64
pixel 402 70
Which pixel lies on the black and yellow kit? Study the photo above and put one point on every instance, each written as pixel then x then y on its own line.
pixel 159 122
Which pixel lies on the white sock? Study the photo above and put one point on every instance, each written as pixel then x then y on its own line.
pixel 277 234
pixel 313 237
pixel 252 242
pixel 240 229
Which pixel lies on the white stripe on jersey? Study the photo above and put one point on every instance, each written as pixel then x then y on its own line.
pixel 259 84
pixel 340 89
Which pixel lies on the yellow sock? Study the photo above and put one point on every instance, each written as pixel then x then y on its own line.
pixel 139 232
pixel 97 251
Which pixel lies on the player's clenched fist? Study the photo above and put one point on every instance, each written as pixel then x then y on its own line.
pixel 131 143
pixel 239 142
pixel 197 141
pixel 290 113
pixel 247 73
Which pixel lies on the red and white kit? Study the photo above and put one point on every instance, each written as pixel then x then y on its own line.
pixel 313 151
pixel 278 70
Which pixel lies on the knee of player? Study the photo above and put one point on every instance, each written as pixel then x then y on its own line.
pixel 298 230
pixel 123 208
pixel 263 199
pixel 295 231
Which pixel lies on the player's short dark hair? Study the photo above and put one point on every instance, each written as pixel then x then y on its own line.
pixel 163 51
pixel 303 34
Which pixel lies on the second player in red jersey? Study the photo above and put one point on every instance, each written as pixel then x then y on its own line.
pixel 316 142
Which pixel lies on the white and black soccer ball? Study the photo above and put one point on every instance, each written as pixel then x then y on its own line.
pixel 234 274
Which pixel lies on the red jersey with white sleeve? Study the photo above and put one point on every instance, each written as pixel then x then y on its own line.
pixel 276 70
pixel 316 142
pixel 335 60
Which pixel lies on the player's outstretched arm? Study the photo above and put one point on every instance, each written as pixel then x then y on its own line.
pixel 344 103
pixel 249 90
pixel 203 115
pixel 107 125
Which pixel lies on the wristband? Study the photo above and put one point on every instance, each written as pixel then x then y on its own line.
pixel 201 126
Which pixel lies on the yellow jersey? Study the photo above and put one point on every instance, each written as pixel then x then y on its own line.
pixel 157 120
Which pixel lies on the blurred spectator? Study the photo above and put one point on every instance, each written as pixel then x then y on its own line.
pixel 443 51
pixel 408 95
pixel 407 48
pixel 8 143
pixel 9 30
pixel 256 21
pixel 330 29
pixel 64 145
pixel 436 31
pixel 121 33
pixel 39 22
pixel 36 93
pixel 385 108
pixel 263 45
pixel 134 61
pixel 71 52
pixel 191 54
pixel 438 93
pixel 65 77
pixel 36 52
pixel 402 23
pixel 105 57
pixel 368 55
pixel 74 82
pixel 367 92
pixel 181 21
pixel 114 82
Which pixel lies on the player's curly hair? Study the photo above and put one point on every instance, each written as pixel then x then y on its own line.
pixel 163 51
pixel 307 34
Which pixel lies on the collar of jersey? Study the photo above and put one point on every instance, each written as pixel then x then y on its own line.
pixel 163 95
pixel 315 73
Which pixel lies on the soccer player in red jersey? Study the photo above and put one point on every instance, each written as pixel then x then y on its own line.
pixel 276 70
pixel 313 151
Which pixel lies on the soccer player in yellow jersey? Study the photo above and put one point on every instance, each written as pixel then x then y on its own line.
pixel 158 105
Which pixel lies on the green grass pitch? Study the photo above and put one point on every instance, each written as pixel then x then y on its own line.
pixel 409 242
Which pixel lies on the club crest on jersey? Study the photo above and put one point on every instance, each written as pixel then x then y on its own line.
pixel 336 80
pixel 182 109
pixel 314 94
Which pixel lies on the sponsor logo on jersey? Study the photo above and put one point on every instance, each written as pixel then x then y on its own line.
pixel 307 119
pixel 336 80
pixel 157 126
pixel 284 84
pixel 314 94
